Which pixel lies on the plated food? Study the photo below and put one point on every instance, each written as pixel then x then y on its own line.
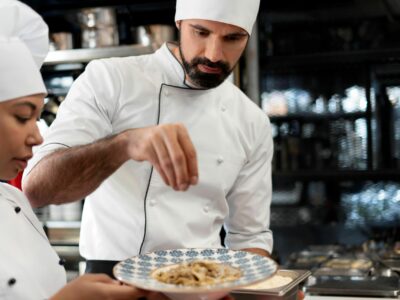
pixel 275 281
pixel 195 273
pixel 349 263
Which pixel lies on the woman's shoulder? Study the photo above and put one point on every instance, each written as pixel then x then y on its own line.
pixel 11 193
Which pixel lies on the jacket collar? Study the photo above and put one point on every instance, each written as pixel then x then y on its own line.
pixel 177 68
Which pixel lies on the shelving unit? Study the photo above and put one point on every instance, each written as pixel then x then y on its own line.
pixel 313 117
pixel 85 55
pixel 141 12
pixel 321 51
pixel 330 59
pixel 337 175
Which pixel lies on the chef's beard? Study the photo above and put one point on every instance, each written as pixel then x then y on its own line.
pixel 202 79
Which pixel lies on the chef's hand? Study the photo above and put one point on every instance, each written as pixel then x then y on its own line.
pixel 101 286
pixel 169 149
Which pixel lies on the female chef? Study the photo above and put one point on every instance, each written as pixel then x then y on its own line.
pixel 29 267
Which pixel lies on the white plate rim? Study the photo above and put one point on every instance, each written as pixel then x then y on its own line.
pixel 166 288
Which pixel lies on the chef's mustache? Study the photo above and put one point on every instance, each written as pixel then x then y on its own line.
pixel 224 66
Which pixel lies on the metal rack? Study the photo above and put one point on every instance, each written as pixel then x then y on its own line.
pixel 86 55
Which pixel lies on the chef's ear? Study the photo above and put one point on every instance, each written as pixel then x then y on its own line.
pixel 178 24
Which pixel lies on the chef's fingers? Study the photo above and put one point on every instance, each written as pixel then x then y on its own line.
pixel 159 141
pixel 300 295
pixel 102 278
pixel 153 296
pixel 177 156
pixel 160 160
pixel 156 296
pixel 123 292
pixel 191 156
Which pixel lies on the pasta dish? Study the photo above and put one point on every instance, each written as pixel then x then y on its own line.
pixel 197 273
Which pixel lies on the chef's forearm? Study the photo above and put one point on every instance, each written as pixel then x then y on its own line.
pixel 259 251
pixel 71 174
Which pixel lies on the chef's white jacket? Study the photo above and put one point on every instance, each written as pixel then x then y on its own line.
pixel 29 267
pixel 133 211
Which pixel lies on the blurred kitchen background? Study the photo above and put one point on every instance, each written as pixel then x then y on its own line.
pixel 328 75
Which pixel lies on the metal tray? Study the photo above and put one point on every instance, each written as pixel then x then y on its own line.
pixel 323 272
pixel 283 292
pixel 378 287
pixel 393 264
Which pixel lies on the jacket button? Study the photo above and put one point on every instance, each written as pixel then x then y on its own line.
pixel 206 209
pixel 12 281
pixel 153 202
pixel 223 108
pixel 61 262
pixel 220 160
pixel 17 209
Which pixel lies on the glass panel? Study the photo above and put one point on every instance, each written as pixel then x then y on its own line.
pixel 394 99
pixel 376 204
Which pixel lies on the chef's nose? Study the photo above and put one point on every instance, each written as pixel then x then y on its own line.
pixel 214 50
pixel 34 137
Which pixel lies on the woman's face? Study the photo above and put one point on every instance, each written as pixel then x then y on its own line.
pixel 18 133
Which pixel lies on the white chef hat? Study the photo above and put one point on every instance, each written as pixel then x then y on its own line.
pixel 23 46
pixel 241 13
pixel 18 19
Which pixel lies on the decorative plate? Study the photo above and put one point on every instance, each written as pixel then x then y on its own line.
pixel 138 270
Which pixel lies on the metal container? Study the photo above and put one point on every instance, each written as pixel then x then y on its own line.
pixel 348 286
pixel 62 233
pixel 161 34
pixel 99 27
pixel 61 41
pixel 393 264
pixel 154 35
pixel 285 292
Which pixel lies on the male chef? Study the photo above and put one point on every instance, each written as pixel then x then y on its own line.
pixel 163 148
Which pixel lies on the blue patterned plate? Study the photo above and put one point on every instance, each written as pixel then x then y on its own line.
pixel 138 270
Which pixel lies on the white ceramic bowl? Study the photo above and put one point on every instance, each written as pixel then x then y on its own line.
pixel 138 270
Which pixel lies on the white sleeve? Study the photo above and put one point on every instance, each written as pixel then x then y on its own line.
pixel 86 114
pixel 250 199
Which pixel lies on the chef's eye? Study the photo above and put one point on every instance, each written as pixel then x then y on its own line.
pixel 201 33
pixel 233 38
pixel 22 119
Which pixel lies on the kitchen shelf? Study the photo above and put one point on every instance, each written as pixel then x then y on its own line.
pixel 63 233
pixel 85 55
pixel 332 58
pixel 337 175
pixel 313 117
pixel 138 5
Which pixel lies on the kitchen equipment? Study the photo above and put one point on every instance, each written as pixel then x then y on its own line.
pixel 393 264
pixel 348 286
pixel 161 34
pixel 66 212
pixel 379 268
pixel 286 292
pixel 345 266
pixel 310 259
pixel 154 35
pixel 61 41
pixel 99 27
pixel 63 233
